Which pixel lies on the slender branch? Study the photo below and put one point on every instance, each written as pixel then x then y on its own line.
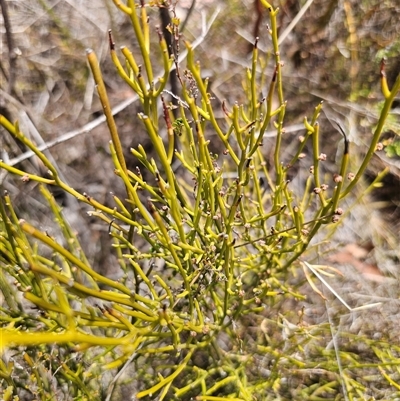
pixel 100 120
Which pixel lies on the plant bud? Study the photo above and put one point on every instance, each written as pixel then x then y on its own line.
pixel 337 178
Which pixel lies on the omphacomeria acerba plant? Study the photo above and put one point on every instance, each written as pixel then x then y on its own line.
pixel 224 234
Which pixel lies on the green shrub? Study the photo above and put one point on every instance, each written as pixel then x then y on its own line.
pixel 207 252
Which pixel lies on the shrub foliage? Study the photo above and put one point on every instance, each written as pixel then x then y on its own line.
pixel 210 248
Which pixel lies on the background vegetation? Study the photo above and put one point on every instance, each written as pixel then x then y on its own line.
pixel 107 295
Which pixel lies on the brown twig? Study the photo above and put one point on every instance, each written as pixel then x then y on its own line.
pixel 12 56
